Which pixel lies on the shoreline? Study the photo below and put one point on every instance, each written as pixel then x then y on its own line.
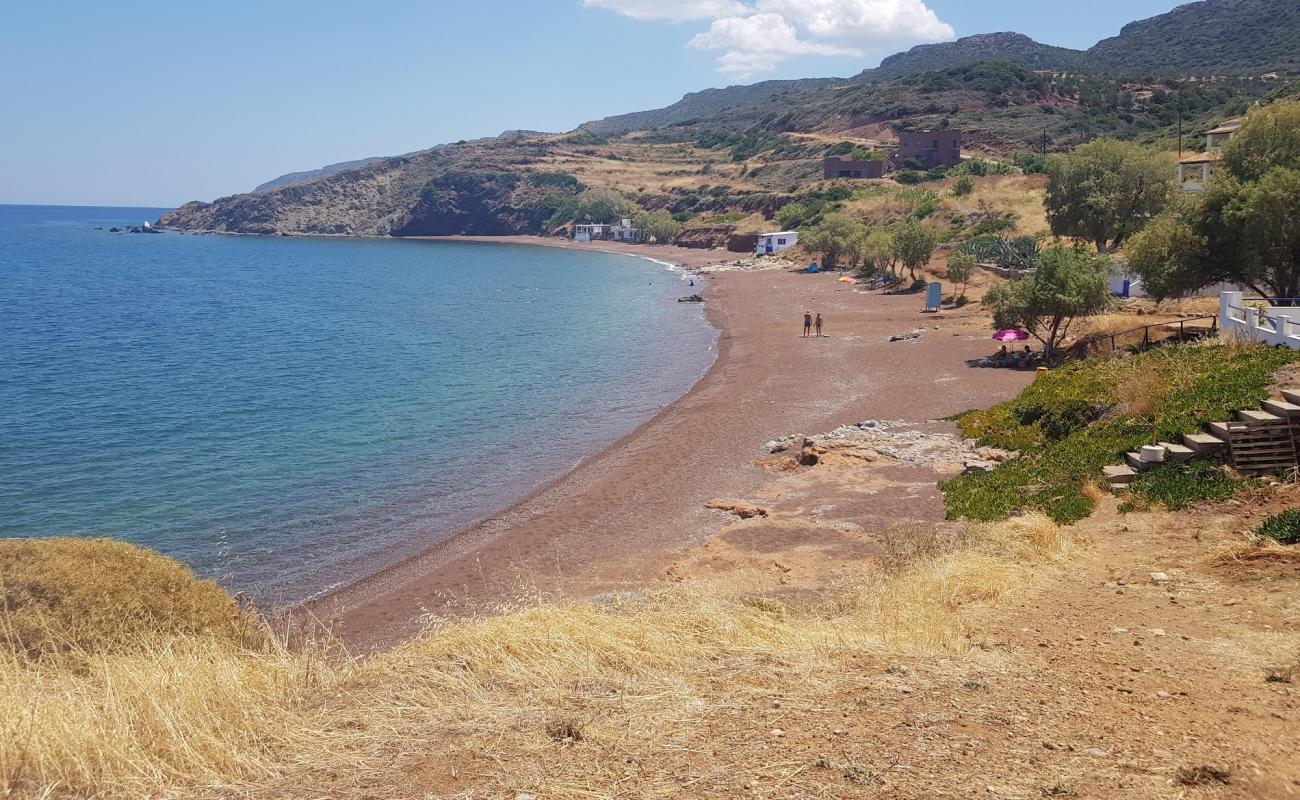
pixel 618 519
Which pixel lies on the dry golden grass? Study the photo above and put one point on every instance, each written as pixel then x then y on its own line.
pixel 71 595
pixel 497 704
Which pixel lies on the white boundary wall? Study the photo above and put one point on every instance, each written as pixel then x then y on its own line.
pixel 1277 325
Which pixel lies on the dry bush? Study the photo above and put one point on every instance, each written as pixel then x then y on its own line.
pixel 64 596
pixel 500 702
pixel 1144 392
pixel 906 543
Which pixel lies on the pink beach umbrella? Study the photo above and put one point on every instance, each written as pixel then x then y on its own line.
pixel 1011 335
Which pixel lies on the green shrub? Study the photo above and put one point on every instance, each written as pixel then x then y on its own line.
pixel 1176 486
pixel 1283 528
pixel 1070 423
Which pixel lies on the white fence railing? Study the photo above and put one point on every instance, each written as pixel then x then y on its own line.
pixel 1258 320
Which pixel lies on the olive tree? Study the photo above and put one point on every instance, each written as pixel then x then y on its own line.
pixel 913 246
pixel 1106 191
pixel 1244 228
pixel 604 206
pixel 878 253
pixel 835 237
pixel 1070 282
pixel 658 225
pixel 961 267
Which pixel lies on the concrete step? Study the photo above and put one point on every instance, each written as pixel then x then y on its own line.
pixel 1219 429
pixel 1117 487
pixel 1135 461
pixel 1119 474
pixel 1258 417
pixel 1178 452
pixel 1292 395
pixel 1204 443
pixel 1282 408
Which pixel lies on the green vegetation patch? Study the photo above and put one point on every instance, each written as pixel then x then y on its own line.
pixel 1177 486
pixel 1078 419
pixel 1283 528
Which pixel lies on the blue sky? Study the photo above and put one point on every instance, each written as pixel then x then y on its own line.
pixel 155 104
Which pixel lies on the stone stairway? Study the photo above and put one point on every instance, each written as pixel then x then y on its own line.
pixel 1259 441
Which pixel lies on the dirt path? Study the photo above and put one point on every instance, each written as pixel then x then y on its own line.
pixel 1162 660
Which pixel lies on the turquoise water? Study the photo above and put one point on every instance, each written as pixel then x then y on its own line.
pixel 286 414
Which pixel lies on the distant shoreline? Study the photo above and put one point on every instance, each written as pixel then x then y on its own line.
pixel 686 257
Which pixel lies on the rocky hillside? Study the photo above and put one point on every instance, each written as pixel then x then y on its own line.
pixel 1214 37
pixel 1011 47
pixel 745 150
pixel 291 178
pixel 701 105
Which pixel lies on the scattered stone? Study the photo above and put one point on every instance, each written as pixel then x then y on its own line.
pixel 738 507
pixel 778 733
pixel 903 337
pixel 1159 577
pixel 972 467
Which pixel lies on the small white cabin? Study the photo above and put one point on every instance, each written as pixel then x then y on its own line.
pixel 776 242
pixel 590 232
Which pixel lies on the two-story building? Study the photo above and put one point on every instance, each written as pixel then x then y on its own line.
pixel 846 167
pixel 1195 171
pixel 937 148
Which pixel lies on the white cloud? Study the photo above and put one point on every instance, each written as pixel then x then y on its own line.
pixel 757 35
pixel 864 22
pixel 671 10
pixel 758 43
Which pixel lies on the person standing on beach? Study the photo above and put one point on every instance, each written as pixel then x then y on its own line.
pixel 807 324
pixel 819 325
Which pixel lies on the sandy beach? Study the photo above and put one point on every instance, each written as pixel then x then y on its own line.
pixel 635 512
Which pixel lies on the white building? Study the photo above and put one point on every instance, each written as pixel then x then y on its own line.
pixel 1195 171
pixel 588 232
pixel 594 231
pixel 776 242
pixel 624 232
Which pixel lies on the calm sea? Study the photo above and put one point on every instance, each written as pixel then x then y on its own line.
pixel 286 414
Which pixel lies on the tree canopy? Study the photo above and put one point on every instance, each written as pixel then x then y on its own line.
pixel 604 206
pixel 1244 228
pixel 913 245
pixel 658 224
pixel 835 237
pixel 1106 191
pixel 1070 282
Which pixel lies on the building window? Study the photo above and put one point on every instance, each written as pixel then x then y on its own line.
pixel 780 241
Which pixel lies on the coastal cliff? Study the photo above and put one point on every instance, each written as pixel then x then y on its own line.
pixel 475 188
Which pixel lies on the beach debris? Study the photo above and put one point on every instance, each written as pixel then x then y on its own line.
pixel 897 440
pixel 743 265
pixel 740 508
pixel 903 337
pixel 695 298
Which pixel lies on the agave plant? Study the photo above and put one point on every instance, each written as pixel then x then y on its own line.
pixel 1020 253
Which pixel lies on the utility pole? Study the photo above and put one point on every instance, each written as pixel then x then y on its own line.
pixel 1180 127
